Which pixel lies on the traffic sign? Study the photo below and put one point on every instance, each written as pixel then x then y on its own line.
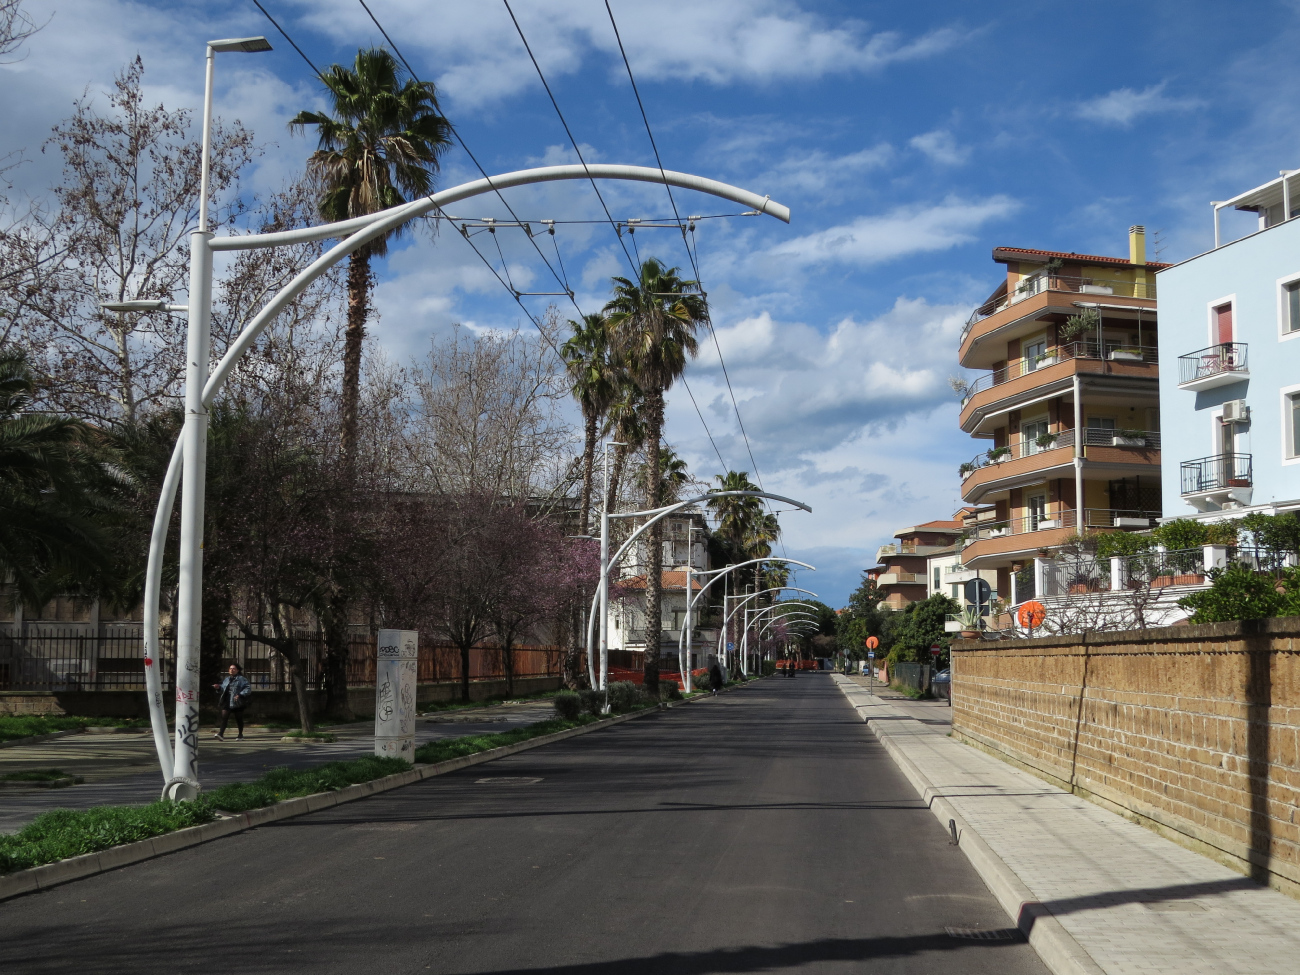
pixel 872 642
pixel 978 592
pixel 871 655
pixel 935 649
pixel 730 645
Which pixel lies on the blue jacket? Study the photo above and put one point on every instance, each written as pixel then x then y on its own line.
pixel 238 688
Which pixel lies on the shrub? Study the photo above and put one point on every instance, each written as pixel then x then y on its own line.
pixel 625 696
pixel 1239 593
pixel 568 705
pixel 592 701
pixel 669 691
pixel 1182 533
pixel 1121 544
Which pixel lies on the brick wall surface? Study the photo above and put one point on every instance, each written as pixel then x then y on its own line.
pixel 1190 729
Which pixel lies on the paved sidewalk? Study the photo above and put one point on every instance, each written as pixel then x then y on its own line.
pixel 1098 894
pixel 123 768
pixel 935 713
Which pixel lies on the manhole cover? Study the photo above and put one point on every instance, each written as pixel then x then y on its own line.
pixel 508 780
pixel 984 934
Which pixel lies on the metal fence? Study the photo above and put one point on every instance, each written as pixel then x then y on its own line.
pixel 1180 567
pixel 51 658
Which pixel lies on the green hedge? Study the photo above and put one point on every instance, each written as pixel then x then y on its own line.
pixel 446 749
pixel 29 725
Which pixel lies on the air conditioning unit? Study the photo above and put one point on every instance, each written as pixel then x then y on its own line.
pixel 1236 411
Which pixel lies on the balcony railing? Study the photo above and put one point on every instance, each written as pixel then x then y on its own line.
pixel 1214 361
pixel 1092 437
pixel 1061 353
pixel 1039 283
pixel 1216 473
pixel 1023 526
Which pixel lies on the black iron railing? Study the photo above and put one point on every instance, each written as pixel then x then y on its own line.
pixel 1212 361
pixel 1216 473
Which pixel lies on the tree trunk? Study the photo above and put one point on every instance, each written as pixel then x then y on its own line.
pixel 573 670
pixel 464 674
pixel 588 465
pixel 298 674
pixel 654 547
pixel 335 665
pixel 616 476
pixel 359 281
pixel 508 660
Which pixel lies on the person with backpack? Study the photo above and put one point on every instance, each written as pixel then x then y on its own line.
pixel 235 691
pixel 715 678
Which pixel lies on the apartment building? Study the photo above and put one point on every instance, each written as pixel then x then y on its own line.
pixel 1068 406
pixel 683 543
pixel 1231 389
pixel 903 572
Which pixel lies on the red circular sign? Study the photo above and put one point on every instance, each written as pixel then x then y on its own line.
pixel 1032 614
pixel 871 642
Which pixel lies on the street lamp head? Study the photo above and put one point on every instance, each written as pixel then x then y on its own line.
pixel 149 305
pixel 241 45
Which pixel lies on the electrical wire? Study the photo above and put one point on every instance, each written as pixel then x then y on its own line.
pixel 692 256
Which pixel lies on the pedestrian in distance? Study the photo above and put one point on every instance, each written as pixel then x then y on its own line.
pixel 235 690
pixel 715 678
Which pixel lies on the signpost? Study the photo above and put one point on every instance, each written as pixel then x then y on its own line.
pixel 872 642
pixel 979 592
pixel 395 668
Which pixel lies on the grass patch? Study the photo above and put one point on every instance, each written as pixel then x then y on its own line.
pixel 446 749
pixel 28 725
pixel 906 691
pixel 285 783
pixel 437 707
pixel 67 833
pixel 36 775
pixel 312 736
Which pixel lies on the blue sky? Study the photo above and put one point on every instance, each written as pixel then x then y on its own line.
pixel 908 141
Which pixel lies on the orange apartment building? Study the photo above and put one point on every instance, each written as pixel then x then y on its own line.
pixel 903 570
pixel 1071 413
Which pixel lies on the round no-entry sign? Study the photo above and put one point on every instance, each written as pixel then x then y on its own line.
pixel 935 649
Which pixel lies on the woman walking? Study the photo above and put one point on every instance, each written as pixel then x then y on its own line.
pixel 235 690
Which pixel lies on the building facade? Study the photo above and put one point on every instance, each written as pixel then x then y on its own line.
pixel 1068 404
pixel 904 573
pixel 1230 391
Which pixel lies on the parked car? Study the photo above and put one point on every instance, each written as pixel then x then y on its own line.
pixel 941 684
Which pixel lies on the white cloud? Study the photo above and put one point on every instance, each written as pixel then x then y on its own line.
pixel 723 42
pixel 817 172
pixel 940 146
pixel 904 231
pixel 1124 105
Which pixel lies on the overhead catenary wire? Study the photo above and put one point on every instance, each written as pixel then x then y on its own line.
pixel 691 256
pixel 515 217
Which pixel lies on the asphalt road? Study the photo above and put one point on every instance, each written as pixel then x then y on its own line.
pixel 760 831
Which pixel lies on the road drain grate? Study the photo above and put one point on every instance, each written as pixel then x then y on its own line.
pixel 984 934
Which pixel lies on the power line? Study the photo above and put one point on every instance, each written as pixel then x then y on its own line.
pixel 692 257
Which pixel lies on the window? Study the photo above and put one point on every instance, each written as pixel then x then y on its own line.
pixel 1032 351
pixel 1037 505
pixel 1293 424
pixel 1291 307
pixel 1029 434
pixel 936 578
pixel 1223 324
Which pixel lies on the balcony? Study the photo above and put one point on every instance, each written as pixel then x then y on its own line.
pixel 1043 283
pixel 1092 437
pixel 997 541
pixel 1211 482
pixel 1027 377
pixel 899 578
pixel 1218 365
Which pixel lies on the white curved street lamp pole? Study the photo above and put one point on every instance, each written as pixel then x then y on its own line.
pixel 601 602
pixel 189 459
pixel 685 638
pixel 754 595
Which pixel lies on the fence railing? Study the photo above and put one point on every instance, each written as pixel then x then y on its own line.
pixel 47 658
pixel 1038 283
pixel 1016 368
pixel 1212 361
pixel 1155 569
pixel 1092 437
pixel 1215 473
pixel 1024 525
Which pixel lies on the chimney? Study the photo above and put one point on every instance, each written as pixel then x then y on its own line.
pixel 1137 244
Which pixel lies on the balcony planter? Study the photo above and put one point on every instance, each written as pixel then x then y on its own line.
pixel 1126 355
pixel 1238 482
pixel 1122 441
pixel 1159 582
pixel 966 469
pixel 1190 579
pixel 997 455
pixel 1047 523
pixel 1046 441
pixel 1043 361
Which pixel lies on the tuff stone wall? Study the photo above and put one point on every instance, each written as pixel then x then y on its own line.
pixel 1191 730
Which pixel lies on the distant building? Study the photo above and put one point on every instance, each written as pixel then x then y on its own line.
pixel 1230 392
pixel 904 573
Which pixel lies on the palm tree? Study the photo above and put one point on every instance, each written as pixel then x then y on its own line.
pixel 379 147
pixel 55 521
pixel 765 530
pixel 595 385
pixel 673 476
pixel 736 515
pixel 653 321
pixel 625 419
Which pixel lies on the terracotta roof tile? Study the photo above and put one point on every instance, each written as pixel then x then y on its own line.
pixel 1013 253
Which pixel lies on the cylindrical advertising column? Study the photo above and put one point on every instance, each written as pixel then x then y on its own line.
pixel 395 668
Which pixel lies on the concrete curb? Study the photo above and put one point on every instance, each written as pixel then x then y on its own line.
pixel 1045 934
pixel 36 739
pixel 76 868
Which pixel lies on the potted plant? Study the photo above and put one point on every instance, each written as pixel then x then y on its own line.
pixel 966 468
pixel 998 454
pixel 1188 579
pixel 1126 354
pixel 1045 359
pixel 1046 440
pixel 1129 438
pixel 971 623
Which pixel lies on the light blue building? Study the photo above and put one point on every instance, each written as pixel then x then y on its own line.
pixel 1230 366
